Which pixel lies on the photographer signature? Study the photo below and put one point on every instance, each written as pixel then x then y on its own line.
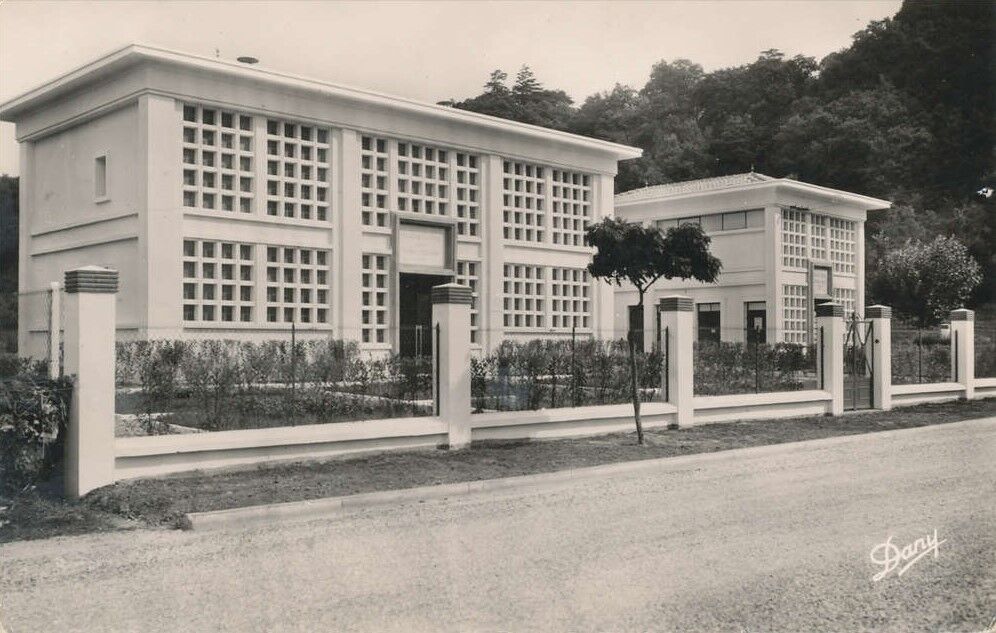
pixel 890 556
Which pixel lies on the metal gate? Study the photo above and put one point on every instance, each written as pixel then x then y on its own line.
pixel 858 364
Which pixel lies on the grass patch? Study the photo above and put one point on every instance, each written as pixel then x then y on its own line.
pixel 160 502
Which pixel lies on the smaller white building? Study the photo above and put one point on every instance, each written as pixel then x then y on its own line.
pixel 785 246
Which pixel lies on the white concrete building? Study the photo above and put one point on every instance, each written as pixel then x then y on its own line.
pixel 238 201
pixel 785 246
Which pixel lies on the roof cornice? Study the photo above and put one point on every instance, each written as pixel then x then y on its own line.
pixel 867 202
pixel 138 53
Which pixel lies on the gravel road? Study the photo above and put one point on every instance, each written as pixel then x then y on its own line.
pixel 748 542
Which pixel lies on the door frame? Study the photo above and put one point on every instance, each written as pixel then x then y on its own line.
pixel 447 270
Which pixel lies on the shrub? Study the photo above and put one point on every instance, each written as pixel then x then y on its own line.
pixel 555 373
pixel 34 411
pixel 224 384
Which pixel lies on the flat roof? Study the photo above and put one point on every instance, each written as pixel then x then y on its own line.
pixel 136 53
pixel 739 182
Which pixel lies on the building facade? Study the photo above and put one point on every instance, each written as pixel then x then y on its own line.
pixel 240 203
pixel 785 246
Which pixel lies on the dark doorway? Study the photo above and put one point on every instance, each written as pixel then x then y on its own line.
pixel 708 314
pixel 757 322
pixel 415 313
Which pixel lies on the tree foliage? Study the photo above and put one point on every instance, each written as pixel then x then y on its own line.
pixel 907 112
pixel 924 281
pixel 628 252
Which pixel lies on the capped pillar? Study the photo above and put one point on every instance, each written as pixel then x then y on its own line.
pixel 89 357
pixel 881 323
pixel 963 350
pixel 451 360
pixel 676 342
pixel 830 353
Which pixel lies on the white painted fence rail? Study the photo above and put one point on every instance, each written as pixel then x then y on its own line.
pixel 96 458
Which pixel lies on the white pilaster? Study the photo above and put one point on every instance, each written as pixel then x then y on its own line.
pixel 451 360
pixel 348 230
pixel 605 308
pixel 881 322
pixel 160 239
pixel 679 379
pixel 493 260
pixel 90 323
pixel 830 353
pixel 963 350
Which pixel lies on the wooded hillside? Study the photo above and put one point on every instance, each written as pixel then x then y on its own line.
pixel 905 113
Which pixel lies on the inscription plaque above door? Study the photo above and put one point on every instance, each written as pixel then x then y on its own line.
pixel 423 246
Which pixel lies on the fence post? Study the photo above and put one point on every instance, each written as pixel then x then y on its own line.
pixel 830 353
pixel 89 356
pixel 963 350
pixel 54 329
pixel 451 362
pixel 881 322
pixel 676 317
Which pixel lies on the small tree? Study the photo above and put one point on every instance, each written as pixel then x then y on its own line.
pixel 924 281
pixel 641 255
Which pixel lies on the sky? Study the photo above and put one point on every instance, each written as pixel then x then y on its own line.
pixel 424 50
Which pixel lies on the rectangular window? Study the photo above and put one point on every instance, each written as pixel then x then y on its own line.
pixel 298 276
pixel 467 275
pixel 205 269
pixel 218 160
pixel 570 211
pixel 373 181
pixel 299 168
pixel 374 298
pixel 100 178
pixel 524 293
pixel 570 305
pixel 523 202
pixel 735 220
pixel 795 305
pixel 708 322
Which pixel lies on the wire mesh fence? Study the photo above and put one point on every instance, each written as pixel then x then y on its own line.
pixel 42 320
pixel 985 349
pixel 920 355
pixel 563 372
pixel 743 361
pixel 170 386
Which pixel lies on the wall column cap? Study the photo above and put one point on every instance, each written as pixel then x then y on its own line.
pixel 91 279
pixel 451 293
pixel 676 303
pixel 830 309
pixel 878 312
pixel 962 314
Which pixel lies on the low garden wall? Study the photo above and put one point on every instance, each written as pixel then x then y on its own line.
pixel 146 456
pixel 909 395
pixel 760 405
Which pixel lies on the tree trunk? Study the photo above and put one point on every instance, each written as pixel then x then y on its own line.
pixel 633 392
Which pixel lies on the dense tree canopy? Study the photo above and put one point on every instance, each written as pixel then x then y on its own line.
pixel 905 113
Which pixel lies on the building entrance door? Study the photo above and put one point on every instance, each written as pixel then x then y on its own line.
pixel 756 319
pixel 415 312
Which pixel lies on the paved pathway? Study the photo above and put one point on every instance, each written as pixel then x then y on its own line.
pixel 748 543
